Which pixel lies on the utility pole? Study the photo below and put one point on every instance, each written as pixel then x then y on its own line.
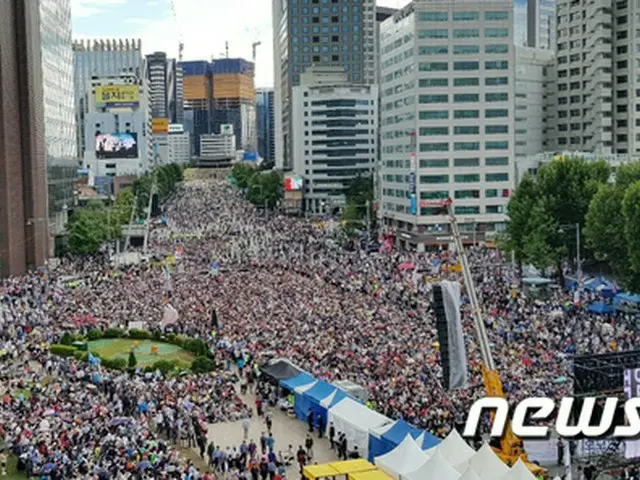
pixel 367 206
pixel 154 188
pixel 127 239
pixel 578 263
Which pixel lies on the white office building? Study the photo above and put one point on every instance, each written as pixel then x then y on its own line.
pixel 532 67
pixel 596 102
pixel 334 135
pixel 448 86
pixel 214 145
pixel 179 145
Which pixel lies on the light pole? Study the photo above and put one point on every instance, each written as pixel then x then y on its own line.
pixel 578 262
pixel 261 193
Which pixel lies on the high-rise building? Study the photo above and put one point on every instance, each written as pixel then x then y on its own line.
pixel 100 58
pixel 218 93
pixel 24 236
pixel 60 126
pixel 340 34
pixel 266 124
pixel 334 135
pixel 166 87
pixel 541 24
pixel 595 105
pixel 448 86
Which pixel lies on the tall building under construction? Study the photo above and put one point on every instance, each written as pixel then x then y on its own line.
pixel 220 92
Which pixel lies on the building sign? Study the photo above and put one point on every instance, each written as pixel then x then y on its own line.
pixel 226 129
pixel 292 184
pixel 114 96
pixel 160 125
pixel 176 128
pixel 414 209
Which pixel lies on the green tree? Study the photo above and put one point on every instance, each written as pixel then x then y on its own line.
pixel 242 173
pixel 520 207
pixel 631 214
pixel 360 193
pixel 540 249
pixel 88 230
pixel 132 359
pixel 265 188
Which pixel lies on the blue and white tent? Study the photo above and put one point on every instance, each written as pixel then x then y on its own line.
pixel 384 440
pixel 310 398
pixel 336 397
pixel 426 440
pixel 298 381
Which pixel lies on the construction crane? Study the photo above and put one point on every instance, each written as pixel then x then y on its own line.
pixel 254 48
pixel 180 41
pixel 511 447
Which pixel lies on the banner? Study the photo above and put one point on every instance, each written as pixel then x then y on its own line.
pixel 632 389
pixel 446 304
pixel 170 315
pixel 115 96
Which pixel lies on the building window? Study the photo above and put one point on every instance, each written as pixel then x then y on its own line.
pixel 496 97
pixel 496 16
pixel 466 114
pixel 433 16
pixel 466 49
pixel 496 32
pixel 433 82
pixel 501 48
pixel 434 195
pixel 434 147
pixel 491 193
pixel 494 209
pixel 434 163
pixel 433 50
pixel 431 211
pixel 434 115
pixel 466 16
pixel 466 97
pixel 497 177
pixel 466 82
pixel 433 33
pixel 466 194
pixel 466 210
pixel 493 129
pixel 466 146
pixel 496 113
pixel 497 65
pixel 466 66
pixel 433 131
pixel 466 33
pixel 434 179
pixel 442 98
pixel 466 130
pixel 501 145
pixel 466 178
pixel 433 66
pixel 466 162
pixel 495 81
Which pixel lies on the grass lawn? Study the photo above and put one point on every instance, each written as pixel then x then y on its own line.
pixel 12 473
pixel 120 347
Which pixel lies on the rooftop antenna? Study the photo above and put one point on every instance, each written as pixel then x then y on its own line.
pixel 226 49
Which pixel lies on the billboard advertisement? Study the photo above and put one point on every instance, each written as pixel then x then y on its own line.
pixel 116 145
pixel 292 184
pixel 160 125
pixel 113 96
pixel 226 129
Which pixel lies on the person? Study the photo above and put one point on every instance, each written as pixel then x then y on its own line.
pixel 344 446
pixel 560 448
pixel 321 426
pixel 259 406
pixel 355 453
pixel 332 434
pixel 302 458
pixel 246 423
pixel 263 443
pixel 3 463
pixel 268 419
pixel 308 443
pixel 271 442
pixel 310 420
pixel 589 471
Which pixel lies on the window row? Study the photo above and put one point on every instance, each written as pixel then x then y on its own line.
pixel 464 178
pixel 464 146
pixel 463 66
pixel 441 33
pixel 463 162
pixel 462 16
pixel 463 49
pixel 444 114
pixel 463 130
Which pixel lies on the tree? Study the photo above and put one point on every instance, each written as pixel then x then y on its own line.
pixel 132 359
pixel 540 249
pixel 88 229
pixel 631 214
pixel 265 188
pixel 360 193
pixel 242 173
pixel 520 207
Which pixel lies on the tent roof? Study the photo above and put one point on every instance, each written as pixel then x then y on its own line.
pixel 406 457
pixel 379 431
pixel 518 472
pixel 436 468
pixel 333 398
pixel 352 466
pixel 320 390
pixel 426 440
pixel 469 474
pixel 600 307
pixel 487 464
pixel 305 388
pixel 280 369
pixel 454 449
pixel 399 431
pixel 358 415
pixel 297 381
pixel 318 471
pixel 628 297
pixel 370 475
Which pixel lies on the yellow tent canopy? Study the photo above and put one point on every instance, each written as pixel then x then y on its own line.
pixel 352 466
pixel 312 472
pixel 370 475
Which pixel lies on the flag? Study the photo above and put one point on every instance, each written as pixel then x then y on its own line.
pixel 167 272
pixel 93 360
pixel 215 267
pixel 179 252
pixel 170 315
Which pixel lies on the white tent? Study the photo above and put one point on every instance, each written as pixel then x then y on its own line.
pixel 304 388
pixel 326 401
pixel 469 474
pixel 406 457
pixel 382 429
pixel 518 472
pixel 485 463
pixel 355 421
pixel 454 449
pixel 436 468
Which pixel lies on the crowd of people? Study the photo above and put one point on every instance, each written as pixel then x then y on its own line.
pixel 270 285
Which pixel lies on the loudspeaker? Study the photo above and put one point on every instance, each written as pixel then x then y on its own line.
pixel 443 333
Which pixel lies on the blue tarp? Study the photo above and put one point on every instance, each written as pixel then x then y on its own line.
pixel 391 439
pixel 628 302
pixel 601 308
pixel 600 285
pixel 297 381
pixel 570 283
pixel 310 400
pixel 429 441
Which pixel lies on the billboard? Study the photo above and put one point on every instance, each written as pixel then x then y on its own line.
pixel 226 129
pixel 160 125
pixel 113 96
pixel 116 145
pixel 292 184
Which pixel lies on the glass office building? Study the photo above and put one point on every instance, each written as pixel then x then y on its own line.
pixel 61 153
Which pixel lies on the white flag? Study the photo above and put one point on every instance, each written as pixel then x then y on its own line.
pixel 170 315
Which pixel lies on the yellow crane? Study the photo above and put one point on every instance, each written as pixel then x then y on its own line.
pixel 511 446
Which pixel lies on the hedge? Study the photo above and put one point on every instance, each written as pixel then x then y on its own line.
pixel 139 334
pixel 202 365
pixel 114 333
pixel 62 350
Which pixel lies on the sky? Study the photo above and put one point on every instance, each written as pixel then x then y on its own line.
pixel 203 25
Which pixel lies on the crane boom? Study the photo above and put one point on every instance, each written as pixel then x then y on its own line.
pixel 511 447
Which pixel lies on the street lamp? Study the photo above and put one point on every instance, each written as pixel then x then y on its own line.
pixel 578 263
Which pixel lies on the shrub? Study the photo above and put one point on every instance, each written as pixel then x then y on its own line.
pixel 165 366
pixel 171 338
pixel 114 363
pixel 180 340
pixel 62 350
pixel 113 333
pixel 94 334
pixel 67 339
pixel 202 365
pixel 156 335
pixel 132 360
pixel 139 334
pixel 196 346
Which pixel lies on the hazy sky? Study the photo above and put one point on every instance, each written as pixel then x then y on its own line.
pixel 204 25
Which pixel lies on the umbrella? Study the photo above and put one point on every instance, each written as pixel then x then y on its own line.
pixel 561 380
pixel 406 266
